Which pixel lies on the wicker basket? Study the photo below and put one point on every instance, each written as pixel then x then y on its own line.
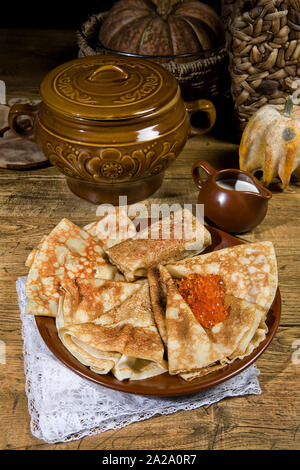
pixel 263 44
pixel 202 76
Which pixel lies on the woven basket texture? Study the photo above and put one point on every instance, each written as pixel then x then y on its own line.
pixel 263 44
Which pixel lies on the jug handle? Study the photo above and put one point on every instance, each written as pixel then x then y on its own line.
pixel 23 109
pixel 209 170
pixel 206 107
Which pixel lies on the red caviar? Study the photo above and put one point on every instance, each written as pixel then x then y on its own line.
pixel 205 297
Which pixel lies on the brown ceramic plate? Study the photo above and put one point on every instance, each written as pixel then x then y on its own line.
pixel 165 384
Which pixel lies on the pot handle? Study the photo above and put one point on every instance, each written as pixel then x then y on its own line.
pixel 206 107
pixel 23 109
pixel 208 169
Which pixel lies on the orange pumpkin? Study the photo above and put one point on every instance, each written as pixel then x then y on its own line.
pixel 161 27
pixel 271 143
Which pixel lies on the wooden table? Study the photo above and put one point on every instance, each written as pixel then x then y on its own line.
pixel 33 202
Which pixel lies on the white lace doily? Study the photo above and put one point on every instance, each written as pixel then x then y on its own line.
pixel 64 406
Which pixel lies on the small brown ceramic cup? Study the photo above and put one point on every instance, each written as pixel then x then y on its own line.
pixel 234 211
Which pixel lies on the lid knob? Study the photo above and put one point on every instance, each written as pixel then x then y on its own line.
pixel 109 73
pixel 109 87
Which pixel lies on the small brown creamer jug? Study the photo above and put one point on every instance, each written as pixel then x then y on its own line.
pixel 234 200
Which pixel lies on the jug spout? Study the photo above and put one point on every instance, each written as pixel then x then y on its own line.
pixel 262 191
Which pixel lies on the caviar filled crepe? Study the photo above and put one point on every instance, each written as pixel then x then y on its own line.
pixel 68 252
pixel 123 340
pixel 248 270
pixel 196 343
pixel 173 238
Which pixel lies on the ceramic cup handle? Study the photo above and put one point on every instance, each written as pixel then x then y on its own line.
pixel 199 179
pixel 23 109
pixel 206 107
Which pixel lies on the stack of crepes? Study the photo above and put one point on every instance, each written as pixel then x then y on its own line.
pixel 114 293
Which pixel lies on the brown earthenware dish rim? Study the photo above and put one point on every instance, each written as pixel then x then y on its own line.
pixel 165 385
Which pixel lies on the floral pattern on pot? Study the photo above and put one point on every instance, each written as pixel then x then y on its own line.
pixel 109 164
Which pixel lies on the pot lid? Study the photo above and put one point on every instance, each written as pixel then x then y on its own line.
pixel 108 87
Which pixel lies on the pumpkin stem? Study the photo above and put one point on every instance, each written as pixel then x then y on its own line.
pixel 164 7
pixel 288 107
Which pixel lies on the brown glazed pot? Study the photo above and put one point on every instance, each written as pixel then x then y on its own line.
pixel 231 210
pixel 111 124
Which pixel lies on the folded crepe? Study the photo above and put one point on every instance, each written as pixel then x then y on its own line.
pixel 113 228
pixel 87 299
pixel 193 350
pixel 123 340
pixel 33 253
pixel 170 239
pixel 68 252
pixel 249 271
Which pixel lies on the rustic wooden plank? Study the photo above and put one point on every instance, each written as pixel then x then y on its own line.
pixel 32 202
pixel 266 421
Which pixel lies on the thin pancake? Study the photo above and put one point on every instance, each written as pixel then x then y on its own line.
pixel 201 372
pixel 192 348
pixel 188 346
pixel 100 362
pixel 68 252
pixel 158 296
pixel 33 253
pixel 171 239
pixel 127 330
pixel 240 351
pixel 234 334
pixel 248 270
pixel 87 299
pixel 113 228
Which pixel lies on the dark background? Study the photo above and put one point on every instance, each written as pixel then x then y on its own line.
pixel 55 14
